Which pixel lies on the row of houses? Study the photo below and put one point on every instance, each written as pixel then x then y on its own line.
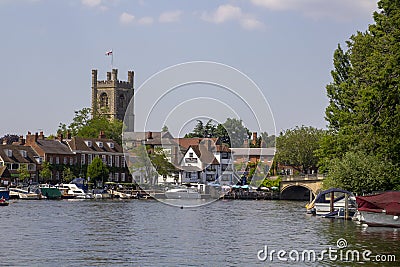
pixel 196 160
pixel 75 153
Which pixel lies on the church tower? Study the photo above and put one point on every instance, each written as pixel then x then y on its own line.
pixel 111 97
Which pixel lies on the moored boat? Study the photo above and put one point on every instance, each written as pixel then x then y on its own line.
pixel 182 193
pixel 72 191
pixel 333 203
pixel 380 209
pixel 25 194
pixel 4 193
pixel 50 192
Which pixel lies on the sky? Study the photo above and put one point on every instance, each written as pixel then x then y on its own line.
pixel 284 46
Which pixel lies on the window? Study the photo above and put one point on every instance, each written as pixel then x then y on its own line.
pixel 31 167
pixel 117 161
pixel 57 160
pixel 122 177
pixel 65 160
pixel 8 152
pixel 58 175
pixel 121 101
pixel 110 160
pixel 224 155
pixel 83 159
pixel 23 153
pixel 104 158
pixel 88 143
pixel 110 145
pixel 116 177
pixel 191 155
pixel 110 177
pixel 99 144
pixel 123 162
pixel 89 158
pixel 50 159
pixel 103 100
pixel 71 161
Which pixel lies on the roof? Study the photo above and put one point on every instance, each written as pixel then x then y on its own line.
pixel 107 145
pixel 187 142
pixel 151 138
pixel 54 147
pixel 16 154
pixel 269 151
pixel 4 172
pixel 206 156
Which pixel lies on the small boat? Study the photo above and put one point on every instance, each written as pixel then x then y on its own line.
pixel 25 194
pixel 182 193
pixel 3 202
pixel 333 203
pixel 380 209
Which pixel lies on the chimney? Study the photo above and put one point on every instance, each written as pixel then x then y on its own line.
pixel 254 138
pixel 108 76
pixel 41 135
pixel 21 140
pixel 36 136
pixel 102 135
pixel 114 75
pixel 149 135
pixel 4 141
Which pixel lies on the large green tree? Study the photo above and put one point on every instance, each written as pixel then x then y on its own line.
pixel 364 97
pixel 97 171
pixel 297 148
pixel 45 172
pixel 86 126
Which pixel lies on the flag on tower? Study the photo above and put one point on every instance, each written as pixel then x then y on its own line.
pixel 109 53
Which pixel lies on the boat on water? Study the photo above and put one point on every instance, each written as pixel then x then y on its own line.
pixel 21 193
pixel 333 203
pixel 49 191
pixel 380 209
pixel 3 202
pixel 72 191
pixel 4 193
pixel 182 193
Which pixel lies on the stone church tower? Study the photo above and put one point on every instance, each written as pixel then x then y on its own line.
pixel 111 97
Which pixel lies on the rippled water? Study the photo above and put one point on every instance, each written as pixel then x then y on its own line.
pixel 149 233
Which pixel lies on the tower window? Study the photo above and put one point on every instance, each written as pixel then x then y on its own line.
pixel 103 100
pixel 121 101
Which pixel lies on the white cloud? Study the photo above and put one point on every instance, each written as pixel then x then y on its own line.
pixel 223 13
pixel 317 9
pixel 146 21
pixel 170 16
pixel 91 3
pixel 228 12
pixel 126 18
pixel 251 24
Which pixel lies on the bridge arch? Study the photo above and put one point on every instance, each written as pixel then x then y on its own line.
pixel 297 192
pixel 300 188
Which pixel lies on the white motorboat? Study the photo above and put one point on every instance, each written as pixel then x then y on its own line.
pixel 72 191
pixel 333 203
pixel 182 193
pixel 24 194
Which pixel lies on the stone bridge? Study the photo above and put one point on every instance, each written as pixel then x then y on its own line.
pixel 304 187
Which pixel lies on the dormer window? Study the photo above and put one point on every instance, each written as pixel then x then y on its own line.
pixel 110 145
pixel 99 144
pixel 8 152
pixel 23 153
pixel 88 143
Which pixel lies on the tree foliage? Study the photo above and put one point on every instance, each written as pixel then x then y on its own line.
pixel 364 97
pixel 68 175
pixel 9 139
pixel 362 173
pixel 84 126
pixel 97 171
pixel 297 148
pixel 231 132
pixel 45 172
pixel 23 173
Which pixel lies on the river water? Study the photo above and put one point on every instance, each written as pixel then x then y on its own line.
pixel 150 233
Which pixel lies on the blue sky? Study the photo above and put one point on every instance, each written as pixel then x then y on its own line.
pixel 284 46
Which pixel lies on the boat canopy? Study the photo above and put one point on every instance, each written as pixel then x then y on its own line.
pixel 321 196
pixel 388 201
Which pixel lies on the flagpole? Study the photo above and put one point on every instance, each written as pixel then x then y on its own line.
pixel 112 58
